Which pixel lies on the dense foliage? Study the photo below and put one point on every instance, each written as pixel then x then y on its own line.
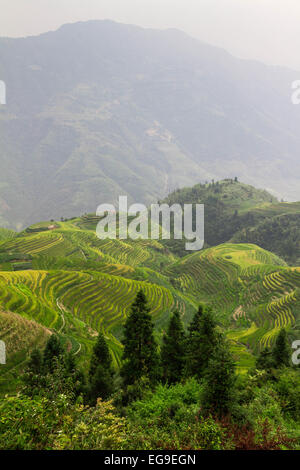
pixel 243 214
pixel 123 355
pixel 206 406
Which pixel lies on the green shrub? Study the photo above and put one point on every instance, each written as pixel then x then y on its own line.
pixel 39 423
pixel 191 433
pixel 288 388
pixel 87 428
pixel 28 423
pixel 265 405
pixel 165 399
pixel 169 419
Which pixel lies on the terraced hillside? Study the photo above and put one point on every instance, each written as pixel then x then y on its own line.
pixel 76 240
pixel 12 329
pixel 60 276
pixel 252 291
pixel 78 305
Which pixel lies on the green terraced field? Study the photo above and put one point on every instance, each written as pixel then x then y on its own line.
pixel 245 285
pixel 98 301
pixel 69 240
pixel 67 280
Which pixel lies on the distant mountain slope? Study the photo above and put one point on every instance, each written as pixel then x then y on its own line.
pixel 99 109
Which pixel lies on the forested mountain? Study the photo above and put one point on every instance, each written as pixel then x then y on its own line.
pixel 99 109
pixel 238 212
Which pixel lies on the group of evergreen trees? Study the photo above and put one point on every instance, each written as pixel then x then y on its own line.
pixel 182 355
pixel 200 352
pixel 54 371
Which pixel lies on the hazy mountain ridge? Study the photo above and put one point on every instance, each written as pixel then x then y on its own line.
pixel 99 109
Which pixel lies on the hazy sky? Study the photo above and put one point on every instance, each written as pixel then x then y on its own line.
pixel 267 30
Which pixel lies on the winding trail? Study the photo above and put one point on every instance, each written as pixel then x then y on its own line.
pixel 78 350
pixel 62 309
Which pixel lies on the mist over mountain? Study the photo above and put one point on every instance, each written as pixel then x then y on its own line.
pixel 99 109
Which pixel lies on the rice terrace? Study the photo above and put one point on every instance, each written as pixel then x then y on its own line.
pixel 62 278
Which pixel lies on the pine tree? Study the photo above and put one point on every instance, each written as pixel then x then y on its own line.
pixel 75 375
pixel 52 350
pixel 220 378
pixel 173 350
pixel 100 372
pixel 35 363
pixel 265 360
pixel 101 385
pixel 140 356
pixel 201 342
pixel 32 378
pixel 53 372
pixel 195 323
pixel 100 355
pixel 281 351
pixel 70 363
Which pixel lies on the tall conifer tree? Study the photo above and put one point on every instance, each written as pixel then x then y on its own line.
pixel 140 357
pixel 53 350
pixel 281 352
pixel 202 340
pixel 218 395
pixel 173 357
pixel 100 372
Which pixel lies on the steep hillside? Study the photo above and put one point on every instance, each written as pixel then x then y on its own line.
pixel 252 291
pixel 78 305
pixel 276 228
pixel 62 277
pixel 241 213
pixel 68 280
pixel 6 234
pixel 141 112
pixel 20 336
